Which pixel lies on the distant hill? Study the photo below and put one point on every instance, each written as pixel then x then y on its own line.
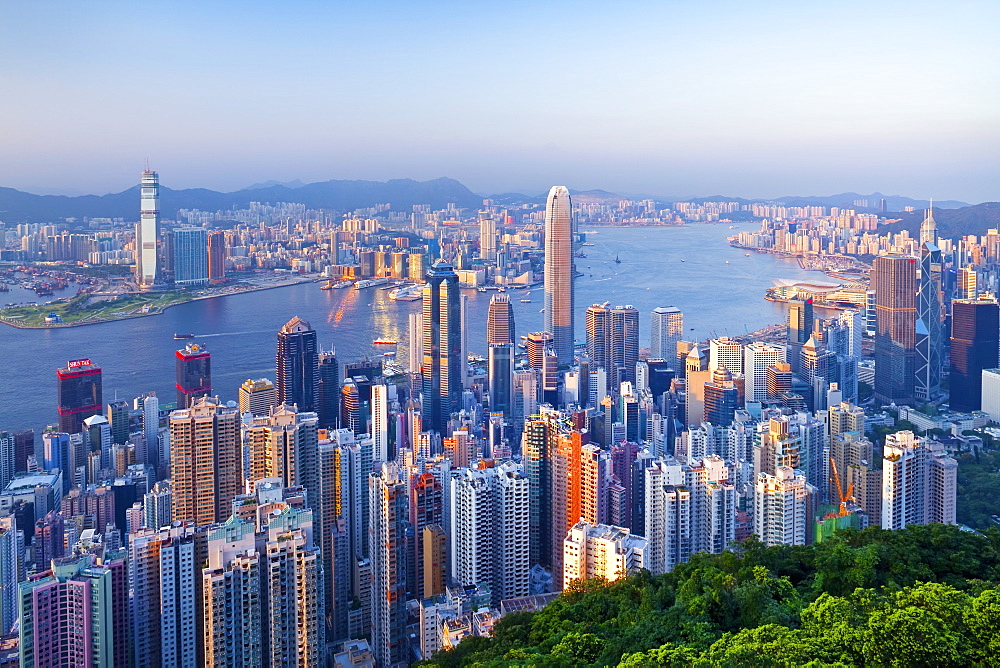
pixel 951 223
pixel 17 206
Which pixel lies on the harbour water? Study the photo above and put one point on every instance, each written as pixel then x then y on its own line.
pixel 684 267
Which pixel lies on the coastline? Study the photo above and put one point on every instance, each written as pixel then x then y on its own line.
pixel 249 287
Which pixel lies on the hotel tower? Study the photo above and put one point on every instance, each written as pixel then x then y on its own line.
pixel 147 233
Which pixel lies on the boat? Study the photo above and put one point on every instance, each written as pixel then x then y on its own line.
pixel 727 261
pixel 385 342
pixel 618 260
pixel 747 254
pixel 407 293
pixel 587 243
pixel 178 337
pixel 683 260
pixel 525 301
pixel 370 283
pixel 581 254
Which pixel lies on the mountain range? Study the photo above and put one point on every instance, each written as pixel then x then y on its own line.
pixel 340 195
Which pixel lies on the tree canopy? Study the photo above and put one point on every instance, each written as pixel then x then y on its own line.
pixel 922 596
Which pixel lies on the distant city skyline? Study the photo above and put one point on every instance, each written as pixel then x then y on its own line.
pixel 758 100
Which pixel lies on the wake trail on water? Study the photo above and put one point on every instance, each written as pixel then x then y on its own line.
pixel 205 336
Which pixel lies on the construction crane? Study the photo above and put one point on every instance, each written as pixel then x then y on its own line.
pixel 845 496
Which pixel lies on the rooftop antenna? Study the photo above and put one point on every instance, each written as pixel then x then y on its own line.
pixel 147 164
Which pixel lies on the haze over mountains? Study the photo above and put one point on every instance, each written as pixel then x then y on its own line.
pixel 342 195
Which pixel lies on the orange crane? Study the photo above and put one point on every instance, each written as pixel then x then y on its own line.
pixel 844 496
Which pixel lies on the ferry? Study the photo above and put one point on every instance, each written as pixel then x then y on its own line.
pixel 330 285
pixel 587 243
pixel 385 342
pixel 525 301
pixel 407 293
pixel 370 283
pixel 178 337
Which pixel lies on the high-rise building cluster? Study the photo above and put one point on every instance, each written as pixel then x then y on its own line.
pixel 366 510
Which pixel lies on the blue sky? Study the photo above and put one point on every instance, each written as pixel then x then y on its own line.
pixel 756 99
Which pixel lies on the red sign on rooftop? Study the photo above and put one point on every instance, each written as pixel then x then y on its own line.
pixel 74 364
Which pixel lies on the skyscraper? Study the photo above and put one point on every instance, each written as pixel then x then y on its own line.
pixel 190 256
pixel 258 396
pixel 206 461
pixel 559 271
pixel 79 394
pixel 666 327
pixel 895 281
pixel 919 482
pixel 500 372
pixel 500 320
pixel 443 366
pixel 783 507
pixel 147 233
pixel 929 343
pixel 328 402
pixel 66 615
pixel 613 342
pixel 297 365
pixel 975 325
pixel 194 374
pixel 388 523
pixel 216 256
pixel 800 320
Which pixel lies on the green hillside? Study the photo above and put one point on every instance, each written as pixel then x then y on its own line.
pixel 923 596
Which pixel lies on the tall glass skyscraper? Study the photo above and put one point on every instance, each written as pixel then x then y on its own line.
pixel 929 341
pixel 443 366
pixel 666 327
pixel 297 365
pixel 975 324
pixel 895 281
pixel 147 233
pixel 559 271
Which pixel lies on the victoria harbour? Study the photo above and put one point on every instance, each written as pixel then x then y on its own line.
pixel 719 290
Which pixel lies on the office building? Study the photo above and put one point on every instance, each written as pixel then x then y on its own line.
pixel 194 374
pixel 487 237
pixel 216 257
pixel 613 343
pixel 991 393
pixel 206 461
pixel 800 320
pixel 968 283
pixel 725 353
pixel 722 398
pixel 297 365
pixel 783 507
pixel 328 401
pixel 559 272
pixel 895 281
pixel 257 397
pixel 919 482
pixel 147 233
pixel 416 342
pixel 930 313
pixel 380 422
pixel 117 412
pixel 12 563
pixel 79 394
pixel 190 256
pixel 500 372
pixel 666 327
pixel 443 367
pixel 757 357
pixel 500 320
pixel 975 339
pixel 601 551
pixel 388 524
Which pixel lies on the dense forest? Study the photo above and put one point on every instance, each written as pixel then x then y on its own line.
pixel 923 596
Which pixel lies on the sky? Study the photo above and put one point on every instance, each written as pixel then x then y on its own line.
pixel 751 99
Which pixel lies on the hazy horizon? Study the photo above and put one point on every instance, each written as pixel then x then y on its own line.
pixel 755 100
